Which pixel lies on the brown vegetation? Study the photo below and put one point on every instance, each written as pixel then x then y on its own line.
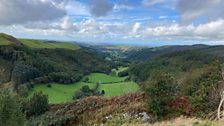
pixel 94 109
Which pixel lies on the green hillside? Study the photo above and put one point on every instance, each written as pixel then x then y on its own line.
pixel 175 63
pixel 38 44
pixel 7 39
pixel 50 45
pixel 47 62
pixel 195 75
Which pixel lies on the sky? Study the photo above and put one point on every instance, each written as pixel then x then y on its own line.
pixel 152 22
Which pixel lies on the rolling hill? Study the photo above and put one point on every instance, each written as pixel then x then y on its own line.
pixel 145 54
pixel 8 40
pixel 33 61
pixel 175 63
pixel 38 44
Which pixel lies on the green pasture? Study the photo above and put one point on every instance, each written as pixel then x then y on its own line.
pixel 103 78
pixel 117 89
pixel 60 93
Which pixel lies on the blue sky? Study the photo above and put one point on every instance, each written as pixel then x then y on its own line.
pixel 151 22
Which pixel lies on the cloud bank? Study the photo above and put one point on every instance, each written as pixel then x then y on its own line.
pixel 207 10
pixel 109 20
pixel 23 11
pixel 100 8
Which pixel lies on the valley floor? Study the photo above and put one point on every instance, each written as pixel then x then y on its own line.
pixel 112 85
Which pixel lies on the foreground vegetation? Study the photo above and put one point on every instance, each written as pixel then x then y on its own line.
pixel 123 110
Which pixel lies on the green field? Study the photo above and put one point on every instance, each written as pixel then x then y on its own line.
pixel 51 45
pixel 103 78
pixel 59 93
pixel 120 69
pixel 117 89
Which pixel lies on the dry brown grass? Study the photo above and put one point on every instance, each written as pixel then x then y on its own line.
pixel 181 121
pixel 93 110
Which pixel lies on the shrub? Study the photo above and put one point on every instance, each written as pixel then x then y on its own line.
pixel 161 92
pixel 65 77
pixel 200 89
pixel 78 95
pixel 50 119
pixel 23 73
pixel 85 89
pixel 23 90
pixel 103 92
pixel 123 73
pixel 113 73
pixel 10 111
pixel 38 104
pixel 49 85
pixel 86 79
pixel 97 86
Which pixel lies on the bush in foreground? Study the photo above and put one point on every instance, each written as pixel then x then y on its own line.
pixel 38 104
pixel 161 92
pixel 85 91
pixel 10 111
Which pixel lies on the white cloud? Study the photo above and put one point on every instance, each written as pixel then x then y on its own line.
pixel 23 11
pixel 97 30
pixel 55 22
pixel 118 7
pixel 66 23
pixel 135 28
pixel 90 27
pixel 100 8
pixel 214 29
pixel 211 31
pixel 151 2
pixel 191 10
pixel 168 3
pixel 163 17
pixel 74 7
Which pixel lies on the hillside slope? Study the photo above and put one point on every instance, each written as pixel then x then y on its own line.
pixel 8 40
pixel 38 44
pixel 193 75
pixel 22 64
pixel 150 53
pixel 175 63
